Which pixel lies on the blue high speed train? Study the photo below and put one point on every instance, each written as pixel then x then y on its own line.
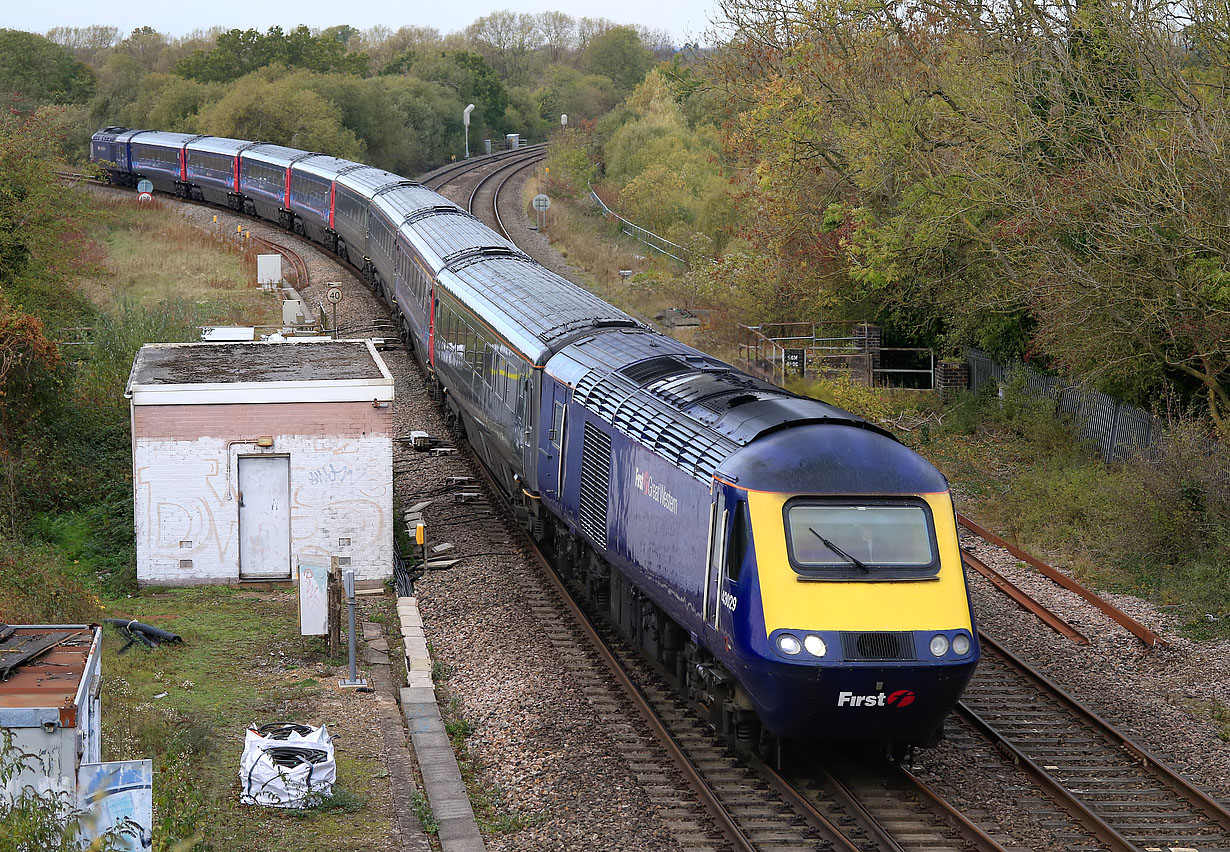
pixel 792 564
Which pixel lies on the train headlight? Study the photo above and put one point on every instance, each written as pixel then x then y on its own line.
pixel 939 645
pixel 960 644
pixel 815 645
pixel 788 643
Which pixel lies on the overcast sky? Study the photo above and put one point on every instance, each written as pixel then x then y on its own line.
pixel 687 20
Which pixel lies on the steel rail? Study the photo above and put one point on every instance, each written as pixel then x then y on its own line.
pixel 811 813
pixel 963 823
pixel 1077 808
pixel 1137 629
pixel 452 171
pixel 512 167
pixel 1185 789
pixel 1023 598
pixel 495 200
pixel 726 822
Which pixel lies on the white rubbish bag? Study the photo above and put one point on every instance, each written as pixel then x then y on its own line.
pixel 290 771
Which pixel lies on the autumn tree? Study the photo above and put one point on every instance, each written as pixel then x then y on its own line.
pixel 1032 180
pixel 39 221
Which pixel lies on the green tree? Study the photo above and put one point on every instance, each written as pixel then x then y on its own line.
pixel 240 52
pixel 36 71
pixel 565 90
pixel 619 54
pixel 474 81
pixel 280 111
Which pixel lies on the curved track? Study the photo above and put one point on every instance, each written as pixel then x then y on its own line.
pixel 508 171
pixel 1112 787
pixel 445 175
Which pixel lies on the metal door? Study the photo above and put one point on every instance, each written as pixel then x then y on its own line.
pixel 264 517
pixel 718 519
pixel 551 451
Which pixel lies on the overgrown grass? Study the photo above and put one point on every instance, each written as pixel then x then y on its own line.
pixel 1156 525
pixel 153 256
pixel 188 705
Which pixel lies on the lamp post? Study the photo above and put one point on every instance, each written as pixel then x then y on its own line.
pixel 465 119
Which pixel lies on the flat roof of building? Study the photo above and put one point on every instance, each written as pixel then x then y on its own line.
pixel 41 666
pixel 311 361
pixel 259 371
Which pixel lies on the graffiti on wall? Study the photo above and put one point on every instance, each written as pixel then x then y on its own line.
pixel 339 491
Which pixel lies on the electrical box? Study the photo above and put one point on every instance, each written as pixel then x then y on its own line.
pixel 269 269
pixel 293 312
pixel 313 600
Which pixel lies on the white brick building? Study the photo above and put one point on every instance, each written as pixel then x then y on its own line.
pixel 251 458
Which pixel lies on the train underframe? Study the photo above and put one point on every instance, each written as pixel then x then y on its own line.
pixel 691 669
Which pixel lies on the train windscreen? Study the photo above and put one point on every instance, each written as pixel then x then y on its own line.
pixel 828 536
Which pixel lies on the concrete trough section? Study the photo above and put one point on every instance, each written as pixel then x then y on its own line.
pixel 446 791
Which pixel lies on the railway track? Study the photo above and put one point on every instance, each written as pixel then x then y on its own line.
pixel 445 175
pixel 505 172
pixel 1128 798
pixel 740 802
pixel 1121 796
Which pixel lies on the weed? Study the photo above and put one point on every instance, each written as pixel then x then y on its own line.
pixel 440 672
pixel 44 821
pixel 423 812
pixel 340 800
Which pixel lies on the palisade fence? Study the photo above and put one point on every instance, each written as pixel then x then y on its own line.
pixel 1118 430
pixel 659 244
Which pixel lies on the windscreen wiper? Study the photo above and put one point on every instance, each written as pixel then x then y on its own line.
pixel 855 562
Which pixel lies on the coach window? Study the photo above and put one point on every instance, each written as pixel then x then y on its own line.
pixel 557 426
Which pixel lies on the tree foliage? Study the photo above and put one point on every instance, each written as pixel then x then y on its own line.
pixel 1031 178
pixel 35 71
pixel 280 110
pixel 240 52
pixel 619 54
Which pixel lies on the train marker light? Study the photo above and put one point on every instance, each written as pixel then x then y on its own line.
pixel 960 644
pixel 939 645
pixel 815 645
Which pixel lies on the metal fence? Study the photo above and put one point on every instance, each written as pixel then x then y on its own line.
pixel 659 244
pixel 1115 428
pixel 774 351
